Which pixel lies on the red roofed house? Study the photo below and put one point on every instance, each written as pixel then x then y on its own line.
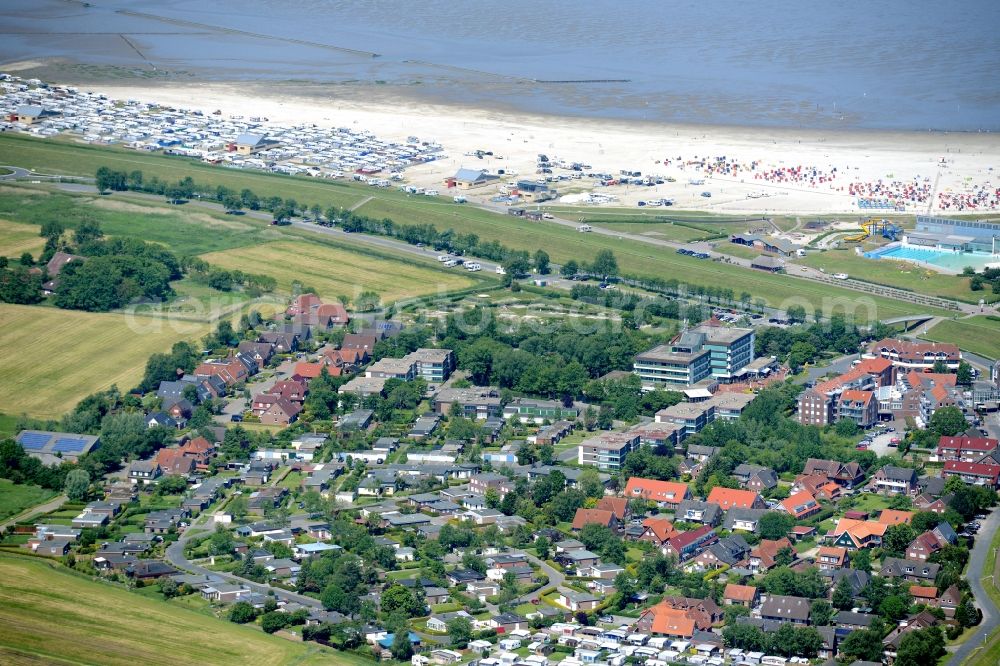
pixel 664 621
pixel 800 505
pixel 306 370
pixel 924 546
pixel 665 493
pixel 302 304
pixel 831 557
pixel 200 450
pixel 230 370
pixel 618 506
pixel 858 406
pixel 173 461
pixel 965 449
pixel 924 595
pixel 976 474
pixel 895 517
pixel 740 595
pixel 855 534
pixel 687 544
pixel 730 498
pixel 586 517
pixel 762 557
pixel 658 531
pixel 290 390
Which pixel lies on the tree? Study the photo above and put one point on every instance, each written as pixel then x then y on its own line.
pixel 274 621
pixel 861 560
pixel 948 422
pixel 864 645
pixel 921 647
pixel 796 314
pixel 87 230
pixel 169 588
pixel 843 594
pixel 542 547
pixel 242 612
pixel 221 542
pixel 238 507
pixel 896 539
pixel 402 648
pixel 820 613
pixel 517 264
pixel 605 265
pixel 542 262
pixel 774 525
pixel 746 637
pixel 77 485
pixel 964 374
pixel 460 632
pixel 570 268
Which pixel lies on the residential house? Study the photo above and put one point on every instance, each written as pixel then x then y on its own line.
pixel 600 517
pixel 607 452
pixel 855 534
pixel 665 493
pixel 801 505
pixel 764 554
pixel 729 498
pixel 931 541
pixel 745 520
pixel 740 595
pixel 577 601
pixel 695 511
pixel 831 557
pixel 782 608
pixel 976 474
pixel 687 544
pixel 893 480
pixel 847 474
pixel 755 477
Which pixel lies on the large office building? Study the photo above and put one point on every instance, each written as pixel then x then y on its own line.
pixel 704 352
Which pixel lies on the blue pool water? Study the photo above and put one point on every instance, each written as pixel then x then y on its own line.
pixel 952 261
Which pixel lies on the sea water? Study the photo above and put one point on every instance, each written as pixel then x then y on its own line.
pixel 893 64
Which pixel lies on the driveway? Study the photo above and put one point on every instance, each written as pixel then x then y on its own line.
pixel 975 574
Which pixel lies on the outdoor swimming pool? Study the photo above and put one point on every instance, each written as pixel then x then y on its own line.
pixel 950 261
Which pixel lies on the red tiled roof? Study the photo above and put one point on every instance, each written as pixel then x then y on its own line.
pixel 656 491
pixel 736 592
pixel 727 498
pixel 975 469
pixel 585 517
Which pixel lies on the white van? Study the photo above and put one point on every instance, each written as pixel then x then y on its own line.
pixel 459 199
pixel 584 228
pixel 450 263
pixel 444 257
pixel 501 271
pixel 473 266
pixel 840 276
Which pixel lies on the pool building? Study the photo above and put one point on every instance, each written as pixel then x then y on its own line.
pixel 947 244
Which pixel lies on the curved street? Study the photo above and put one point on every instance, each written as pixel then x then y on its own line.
pixel 975 574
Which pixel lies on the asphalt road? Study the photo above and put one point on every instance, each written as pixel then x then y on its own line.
pixel 991 614
pixel 175 556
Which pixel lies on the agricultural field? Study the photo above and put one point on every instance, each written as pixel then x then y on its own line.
pixel 901 274
pixel 52 616
pixel 16 238
pixel 332 271
pixel 16 497
pixel 979 334
pixel 50 359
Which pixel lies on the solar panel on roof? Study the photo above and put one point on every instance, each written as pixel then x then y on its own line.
pixel 33 440
pixel 69 444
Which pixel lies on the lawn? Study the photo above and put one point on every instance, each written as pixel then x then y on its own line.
pixel 901 274
pixel 16 238
pixel 660 230
pixel 52 616
pixel 65 156
pixel 183 229
pixel 50 358
pixel 634 257
pixel 16 497
pixel 7 423
pixel 979 334
pixel 736 250
pixel 561 242
pixel 332 272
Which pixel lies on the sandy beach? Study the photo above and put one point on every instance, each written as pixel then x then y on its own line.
pixel 787 171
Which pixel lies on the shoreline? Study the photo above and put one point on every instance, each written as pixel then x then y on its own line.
pixel 952 161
